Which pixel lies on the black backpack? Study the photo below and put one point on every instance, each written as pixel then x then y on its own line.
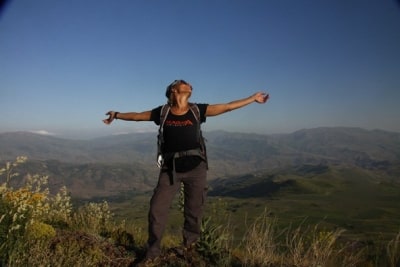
pixel 193 152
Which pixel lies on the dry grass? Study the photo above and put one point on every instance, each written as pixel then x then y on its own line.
pixel 264 245
pixel 37 229
pixel 259 244
pixel 393 251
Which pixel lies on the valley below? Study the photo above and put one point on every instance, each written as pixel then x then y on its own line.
pixel 336 177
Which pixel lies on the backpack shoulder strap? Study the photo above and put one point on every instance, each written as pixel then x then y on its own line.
pixel 163 116
pixel 196 111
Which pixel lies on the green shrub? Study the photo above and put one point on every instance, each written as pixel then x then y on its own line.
pixel 213 243
pixel 38 230
pixel 123 238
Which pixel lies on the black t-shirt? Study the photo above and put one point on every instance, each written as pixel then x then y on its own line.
pixel 180 134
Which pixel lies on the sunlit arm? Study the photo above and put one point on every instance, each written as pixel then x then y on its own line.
pixel 217 109
pixel 128 116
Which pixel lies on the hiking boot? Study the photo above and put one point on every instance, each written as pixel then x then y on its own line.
pixel 185 252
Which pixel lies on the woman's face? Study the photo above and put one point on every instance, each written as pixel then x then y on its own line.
pixel 183 89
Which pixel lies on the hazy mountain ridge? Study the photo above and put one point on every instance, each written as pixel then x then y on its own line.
pixel 336 143
pixel 113 164
pixel 120 148
pixel 375 144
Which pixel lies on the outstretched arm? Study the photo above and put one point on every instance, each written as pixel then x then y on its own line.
pixel 129 116
pixel 217 109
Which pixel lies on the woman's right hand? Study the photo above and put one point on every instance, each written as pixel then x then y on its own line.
pixel 111 117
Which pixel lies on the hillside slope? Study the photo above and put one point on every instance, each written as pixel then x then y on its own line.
pixel 114 164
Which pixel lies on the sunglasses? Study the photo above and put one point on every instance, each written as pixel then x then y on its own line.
pixel 177 82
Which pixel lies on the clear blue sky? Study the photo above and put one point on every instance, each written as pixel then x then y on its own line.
pixel 63 64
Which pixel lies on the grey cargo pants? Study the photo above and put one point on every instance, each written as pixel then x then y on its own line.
pixel 195 190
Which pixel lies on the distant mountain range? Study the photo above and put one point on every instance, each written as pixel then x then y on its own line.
pixel 112 165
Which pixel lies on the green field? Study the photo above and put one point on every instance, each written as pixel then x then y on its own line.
pixel 365 205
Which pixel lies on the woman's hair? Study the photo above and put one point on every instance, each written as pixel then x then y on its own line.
pixel 174 84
